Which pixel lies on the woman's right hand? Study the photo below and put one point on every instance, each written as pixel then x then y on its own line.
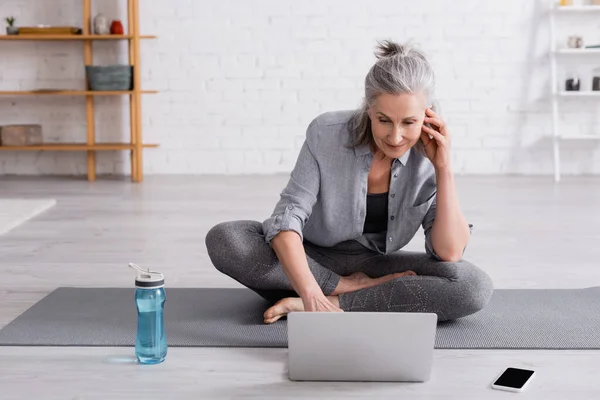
pixel 320 303
pixel 290 252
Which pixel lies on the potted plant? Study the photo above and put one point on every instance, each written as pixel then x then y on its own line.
pixel 11 29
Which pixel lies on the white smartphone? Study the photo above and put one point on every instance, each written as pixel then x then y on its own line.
pixel 513 379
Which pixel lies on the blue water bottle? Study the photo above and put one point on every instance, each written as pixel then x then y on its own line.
pixel 150 297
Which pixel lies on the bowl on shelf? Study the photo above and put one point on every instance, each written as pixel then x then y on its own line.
pixel 109 77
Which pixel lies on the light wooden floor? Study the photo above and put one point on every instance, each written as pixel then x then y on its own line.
pixel 528 232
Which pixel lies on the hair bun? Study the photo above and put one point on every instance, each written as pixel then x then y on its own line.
pixel 388 48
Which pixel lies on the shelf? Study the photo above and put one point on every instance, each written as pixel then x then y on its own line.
pixel 88 144
pixel 581 137
pixel 555 14
pixel 587 8
pixel 75 147
pixel 579 94
pixel 73 37
pixel 71 92
pixel 578 51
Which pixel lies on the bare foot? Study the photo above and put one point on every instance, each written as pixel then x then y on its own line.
pixel 282 308
pixel 288 305
pixel 360 280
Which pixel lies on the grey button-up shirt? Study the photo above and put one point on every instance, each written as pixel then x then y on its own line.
pixel 325 200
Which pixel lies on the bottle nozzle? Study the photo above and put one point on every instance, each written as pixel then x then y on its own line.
pixel 139 270
pixel 147 278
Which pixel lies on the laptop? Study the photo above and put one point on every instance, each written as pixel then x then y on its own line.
pixel 361 346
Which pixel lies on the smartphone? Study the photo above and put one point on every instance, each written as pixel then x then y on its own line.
pixel 513 379
pixel 433 108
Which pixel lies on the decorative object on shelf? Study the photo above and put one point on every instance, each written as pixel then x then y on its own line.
pixel 21 135
pixel 49 30
pixel 596 80
pixel 11 29
pixel 575 42
pixel 116 27
pixel 101 25
pixel 566 2
pixel 573 84
pixel 109 77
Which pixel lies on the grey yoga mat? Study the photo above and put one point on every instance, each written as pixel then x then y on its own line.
pixel 514 319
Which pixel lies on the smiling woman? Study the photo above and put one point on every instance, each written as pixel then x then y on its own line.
pixel 396 97
pixel 365 181
pixel 395 134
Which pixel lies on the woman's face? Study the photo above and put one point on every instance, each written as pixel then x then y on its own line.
pixel 396 122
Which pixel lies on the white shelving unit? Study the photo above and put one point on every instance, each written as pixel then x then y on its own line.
pixel 557 94
pixel 578 51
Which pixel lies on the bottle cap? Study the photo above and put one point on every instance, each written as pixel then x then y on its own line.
pixel 147 279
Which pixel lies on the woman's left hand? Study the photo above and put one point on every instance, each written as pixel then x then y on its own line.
pixel 437 148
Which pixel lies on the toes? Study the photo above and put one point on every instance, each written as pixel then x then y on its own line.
pixel 281 309
pixel 274 311
pixel 270 313
pixel 405 273
pixel 271 320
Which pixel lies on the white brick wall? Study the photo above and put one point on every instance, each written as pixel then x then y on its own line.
pixel 240 80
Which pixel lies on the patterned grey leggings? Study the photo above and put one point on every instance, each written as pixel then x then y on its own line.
pixel 451 290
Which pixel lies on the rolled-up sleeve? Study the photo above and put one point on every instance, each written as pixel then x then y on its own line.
pixel 298 197
pixel 428 224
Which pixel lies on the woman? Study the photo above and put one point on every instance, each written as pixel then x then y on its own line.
pixel 363 184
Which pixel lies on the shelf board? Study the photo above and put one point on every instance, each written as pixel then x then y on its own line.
pixel 71 92
pixel 579 94
pixel 74 147
pixel 578 51
pixel 580 137
pixel 73 37
pixel 582 8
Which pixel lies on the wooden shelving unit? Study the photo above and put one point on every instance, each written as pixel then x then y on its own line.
pixel 71 92
pixel 90 146
pixel 75 147
pixel 73 37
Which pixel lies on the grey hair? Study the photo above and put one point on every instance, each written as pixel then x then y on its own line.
pixel 398 69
